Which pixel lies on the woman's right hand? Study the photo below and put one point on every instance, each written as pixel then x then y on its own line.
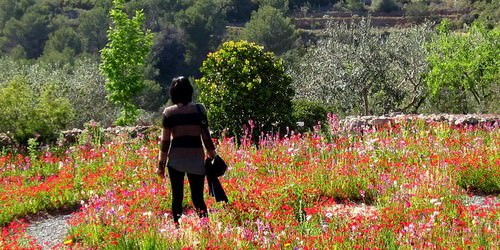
pixel 160 171
pixel 211 154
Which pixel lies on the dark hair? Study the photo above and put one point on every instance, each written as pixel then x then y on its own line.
pixel 181 90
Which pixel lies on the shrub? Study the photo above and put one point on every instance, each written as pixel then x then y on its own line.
pixel 385 6
pixel 310 113
pixel 417 11
pixel 26 116
pixel 241 82
pixel 80 83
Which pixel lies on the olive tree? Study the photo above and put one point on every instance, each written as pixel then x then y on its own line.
pixel 359 69
pixel 81 83
pixel 240 83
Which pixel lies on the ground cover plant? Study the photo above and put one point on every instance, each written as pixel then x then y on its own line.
pixel 406 187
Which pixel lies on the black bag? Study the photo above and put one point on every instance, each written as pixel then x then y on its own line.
pixel 215 167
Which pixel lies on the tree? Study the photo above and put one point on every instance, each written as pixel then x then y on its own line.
pixel 30 32
pixel 408 66
pixel 123 60
pixel 17 101
pixel 203 23
pixel 240 11
pixel 240 83
pixel 81 83
pixel 468 62
pixel 63 46
pixel 487 12
pixel 268 27
pixel 13 9
pixel 358 69
pixel 168 55
pixel 92 29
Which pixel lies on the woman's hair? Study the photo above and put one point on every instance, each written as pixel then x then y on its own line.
pixel 181 90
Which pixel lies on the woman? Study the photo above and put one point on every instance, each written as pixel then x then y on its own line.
pixel 184 134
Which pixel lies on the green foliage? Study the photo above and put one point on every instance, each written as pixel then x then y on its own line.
pixel 30 32
pixel 92 29
pixel 26 116
pixel 355 5
pixel 123 60
pixel 277 4
pixel 479 179
pixel 151 97
pixel 467 61
pixel 488 12
pixel 17 102
pixel 386 6
pixel 240 11
pixel 203 23
pixel 53 113
pixel 81 83
pixel 241 82
pixel 416 11
pixel 311 113
pixel 33 148
pixel 63 46
pixel 268 27
pixel 92 134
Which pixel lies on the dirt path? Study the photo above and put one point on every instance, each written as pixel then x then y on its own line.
pixel 49 230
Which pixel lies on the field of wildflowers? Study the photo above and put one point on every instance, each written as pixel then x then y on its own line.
pixel 406 187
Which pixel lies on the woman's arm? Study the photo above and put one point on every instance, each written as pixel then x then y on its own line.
pixel 205 135
pixel 164 147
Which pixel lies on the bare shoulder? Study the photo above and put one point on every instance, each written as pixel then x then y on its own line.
pixel 168 110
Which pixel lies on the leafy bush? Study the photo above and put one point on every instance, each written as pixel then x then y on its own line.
pixel 241 82
pixel 386 6
pixel 416 11
pixel 26 116
pixel 310 113
pixel 80 83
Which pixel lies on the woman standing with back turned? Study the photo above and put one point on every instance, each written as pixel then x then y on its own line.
pixel 184 134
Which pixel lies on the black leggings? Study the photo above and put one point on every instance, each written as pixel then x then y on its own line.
pixel 196 183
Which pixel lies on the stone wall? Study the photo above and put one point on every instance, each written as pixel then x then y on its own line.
pixel 349 123
pixel 366 122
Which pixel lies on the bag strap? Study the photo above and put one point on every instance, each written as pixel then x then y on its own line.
pixel 204 122
pixel 198 107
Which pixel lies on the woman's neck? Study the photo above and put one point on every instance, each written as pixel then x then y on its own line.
pixel 182 104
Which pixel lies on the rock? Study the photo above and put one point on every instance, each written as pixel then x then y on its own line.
pixel 5 141
pixel 357 123
pixel 69 137
pixel 381 122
